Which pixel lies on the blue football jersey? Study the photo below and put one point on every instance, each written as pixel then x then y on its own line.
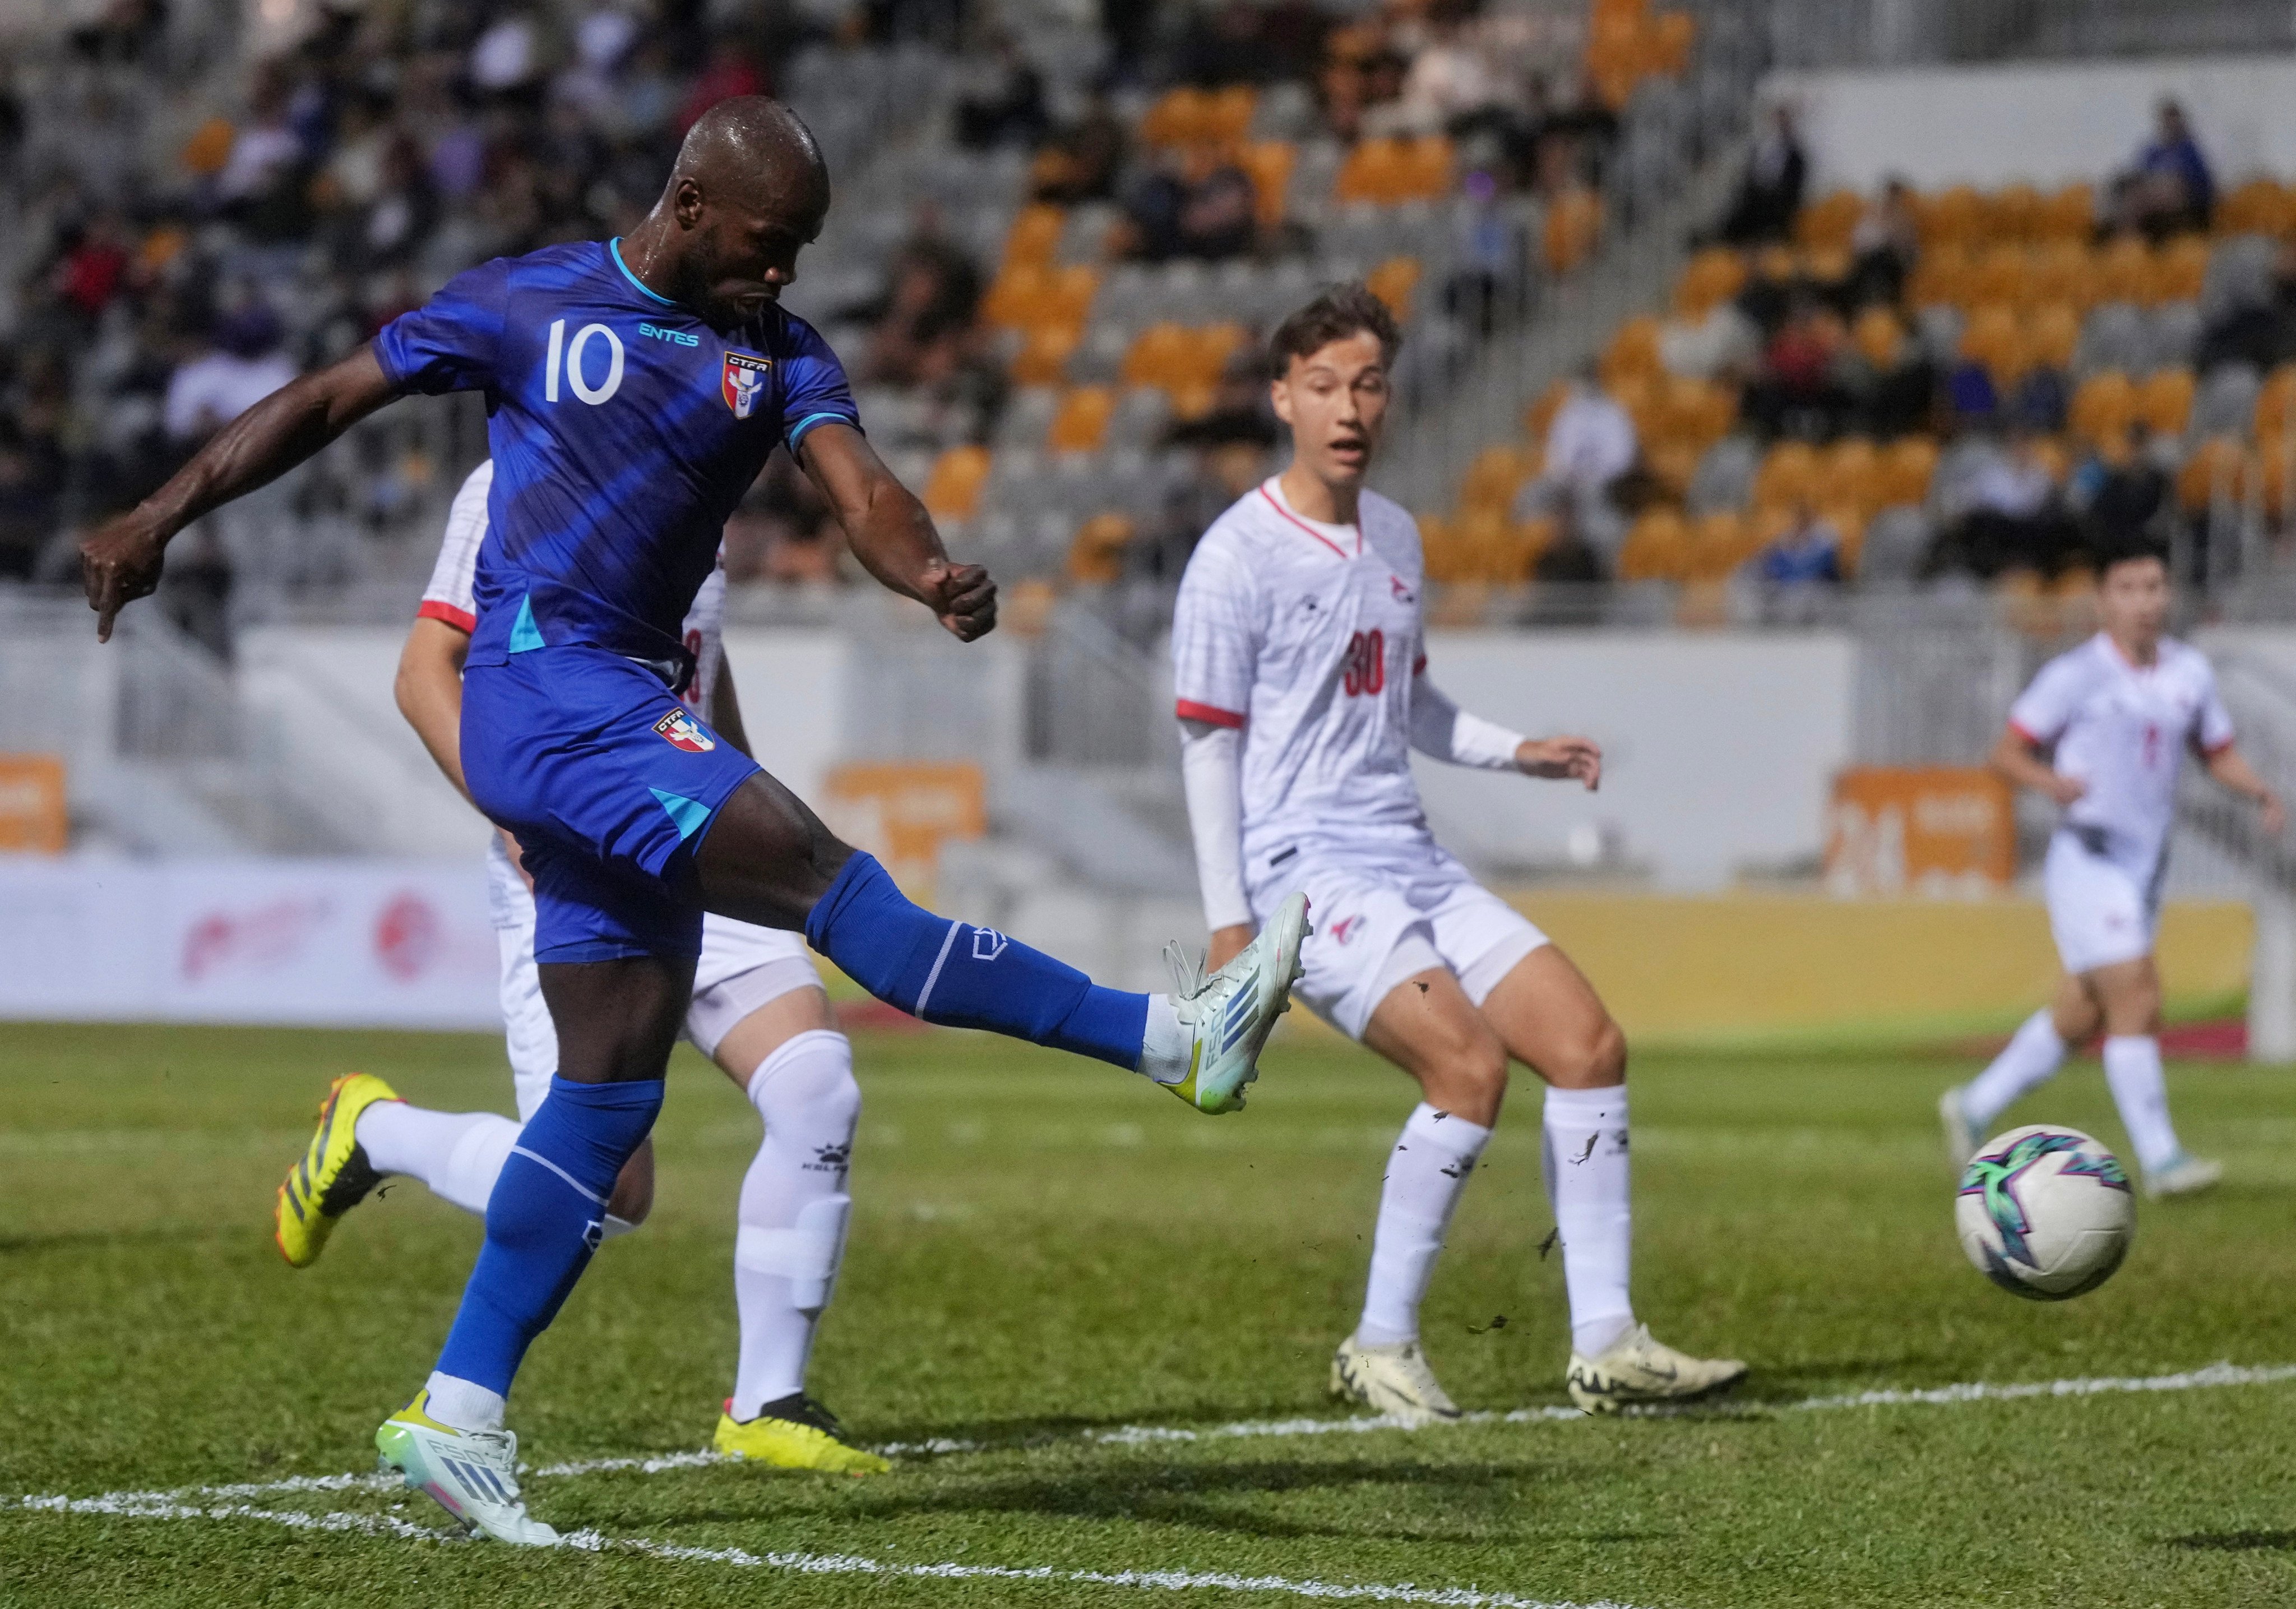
pixel 624 430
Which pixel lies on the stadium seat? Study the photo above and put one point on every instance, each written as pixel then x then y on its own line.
pixel 1829 221
pixel 1081 425
pixel 1018 295
pixel 1878 337
pixel 1719 542
pixel 1159 356
pixel 2172 334
pixel 1393 281
pixel 1540 414
pixel 953 490
pixel 1097 556
pixel 1708 279
pixel 1658 547
pixel 1789 474
pixel 1725 477
pixel 1997 275
pixel 2226 403
pixel 1633 351
pixel 2068 215
pixel 1573 226
pixel 1427 165
pixel 1849 474
pixel 1953 216
pixel 2258 207
pixel 1036 236
pixel 208 148
pixel 1897 542
pixel 1904 471
pixel 2052 335
pixel 2059 271
pixel 1993 337
pixel 1269 164
pixel 2101 407
pixel 2218 467
pixel 1495 477
pixel 2179 271
pixel 2113 336
pixel 2013 214
pixel 1046 350
pixel 2124 271
pixel 1940 275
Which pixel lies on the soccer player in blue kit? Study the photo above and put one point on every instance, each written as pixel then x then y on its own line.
pixel 634 388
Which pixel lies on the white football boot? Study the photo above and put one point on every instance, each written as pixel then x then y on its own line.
pixel 1229 1014
pixel 1962 1139
pixel 2182 1176
pixel 471 1473
pixel 1392 1380
pixel 1637 1370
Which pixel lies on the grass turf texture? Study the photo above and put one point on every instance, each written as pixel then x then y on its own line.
pixel 1043 1244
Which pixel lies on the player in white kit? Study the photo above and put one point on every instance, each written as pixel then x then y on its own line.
pixel 2119 712
pixel 758 1012
pixel 1302 690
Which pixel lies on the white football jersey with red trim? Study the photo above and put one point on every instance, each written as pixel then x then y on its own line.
pixel 2123 730
pixel 1308 638
pixel 448 597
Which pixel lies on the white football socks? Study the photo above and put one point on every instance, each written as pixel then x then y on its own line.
pixel 1425 1172
pixel 458 1154
pixel 1585 1151
pixel 1168 1045
pixel 793 1212
pixel 2030 1058
pixel 2132 1068
pixel 461 1404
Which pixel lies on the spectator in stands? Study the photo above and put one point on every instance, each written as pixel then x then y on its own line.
pixel 781 533
pixel 2170 187
pixel 92 267
pixel 243 364
pixel 1798 391
pixel 1591 451
pixel 1240 413
pixel 1006 107
pixel 2119 497
pixel 925 323
pixel 1771 191
pixel 1884 246
pixel 1195 203
pixel 2013 517
pixel 1361 70
pixel 31 484
pixel 1081 160
pixel 1887 378
pixel 2263 332
pixel 262 184
pixel 1487 273
pixel 1221 45
pixel 1807 554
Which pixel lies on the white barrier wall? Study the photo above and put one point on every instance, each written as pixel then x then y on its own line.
pixel 358 943
pixel 2040 123
pixel 1719 749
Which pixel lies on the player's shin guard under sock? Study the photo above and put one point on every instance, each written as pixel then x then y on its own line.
pixel 2030 1058
pixel 457 1154
pixel 1425 1172
pixel 792 1214
pixel 963 976
pixel 2132 1068
pixel 1584 1149
pixel 547 1216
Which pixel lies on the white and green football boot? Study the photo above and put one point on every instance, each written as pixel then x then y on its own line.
pixel 1962 1139
pixel 1229 1014
pixel 1391 1380
pixel 471 1473
pixel 1638 1370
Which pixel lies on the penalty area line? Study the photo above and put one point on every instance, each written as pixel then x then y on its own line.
pixel 133 1506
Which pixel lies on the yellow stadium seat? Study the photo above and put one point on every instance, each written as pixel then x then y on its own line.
pixel 1044 352
pixel 1393 282
pixel 1017 296
pixel 1878 337
pixel 2101 407
pixel 1227 114
pixel 1574 224
pixel 1667 42
pixel 1068 296
pixel 1719 542
pixel 1849 472
pixel 1540 414
pixel 1658 548
pixel 1493 479
pixel 1185 116
pixel 1373 171
pixel 2068 214
pixel 2013 213
pixel 1672 464
pixel 1035 237
pixel 1830 220
pixel 1427 166
pixel 1993 338
pixel 1789 473
pixel 1633 351
pixel 1708 279
pixel 1441 555
pixel 1096 556
pixel 2179 268
pixel 2218 467
pixel 2124 270
pixel 2052 334
pixel 1269 164
pixel 1825 266
pixel 205 154
pixel 1954 216
pixel 1080 423
pixel 2273 409
pixel 2059 272
pixel 1940 276
pixel 2000 274
pixel 1906 469
pixel 2258 207
pixel 953 490
pixel 2164 401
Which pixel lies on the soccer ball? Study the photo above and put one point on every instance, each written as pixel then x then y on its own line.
pixel 2045 1213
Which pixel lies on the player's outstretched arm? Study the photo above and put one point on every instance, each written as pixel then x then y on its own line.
pixel 893 535
pixel 2017 759
pixel 120 560
pixel 2231 769
pixel 1443 731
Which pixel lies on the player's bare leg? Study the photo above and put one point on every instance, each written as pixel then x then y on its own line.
pixel 769 860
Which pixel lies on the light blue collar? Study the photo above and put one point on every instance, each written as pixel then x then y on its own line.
pixel 614 250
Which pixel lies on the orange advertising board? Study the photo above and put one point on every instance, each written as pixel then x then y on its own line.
pixel 33 817
pixel 903 812
pixel 1939 830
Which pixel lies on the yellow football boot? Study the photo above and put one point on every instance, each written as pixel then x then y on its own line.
pixel 795 1433
pixel 333 1174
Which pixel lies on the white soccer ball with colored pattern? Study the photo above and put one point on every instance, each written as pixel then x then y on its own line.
pixel 2046 1212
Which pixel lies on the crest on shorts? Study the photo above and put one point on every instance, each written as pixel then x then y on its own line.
pixel 743 382
pixel 680 730
pixel 1345 929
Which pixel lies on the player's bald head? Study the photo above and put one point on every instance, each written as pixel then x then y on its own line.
pixel 755 153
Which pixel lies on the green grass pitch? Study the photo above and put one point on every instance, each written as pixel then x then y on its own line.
pixel 1045 1249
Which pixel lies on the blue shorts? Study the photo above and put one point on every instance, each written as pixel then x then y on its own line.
pixel 609 784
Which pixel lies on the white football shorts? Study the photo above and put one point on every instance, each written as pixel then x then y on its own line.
pixel 1385 912
pixel 2102 910
pixel 741 968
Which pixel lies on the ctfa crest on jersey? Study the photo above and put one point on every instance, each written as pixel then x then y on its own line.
pixel 743 382
pixel 680 730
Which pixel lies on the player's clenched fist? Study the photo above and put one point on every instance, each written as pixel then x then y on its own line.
pixel 964 598
pixel 1561 757
pixel 120 562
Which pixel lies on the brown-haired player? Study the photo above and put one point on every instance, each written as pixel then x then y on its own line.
pixel 1302 689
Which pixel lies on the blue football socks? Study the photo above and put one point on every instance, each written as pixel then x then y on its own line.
pixel 963 976
pixel 543 1221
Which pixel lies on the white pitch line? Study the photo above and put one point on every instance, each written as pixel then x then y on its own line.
pixel 2214 1374
pixel 131 1505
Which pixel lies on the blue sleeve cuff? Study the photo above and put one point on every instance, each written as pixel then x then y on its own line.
pixel 798 430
